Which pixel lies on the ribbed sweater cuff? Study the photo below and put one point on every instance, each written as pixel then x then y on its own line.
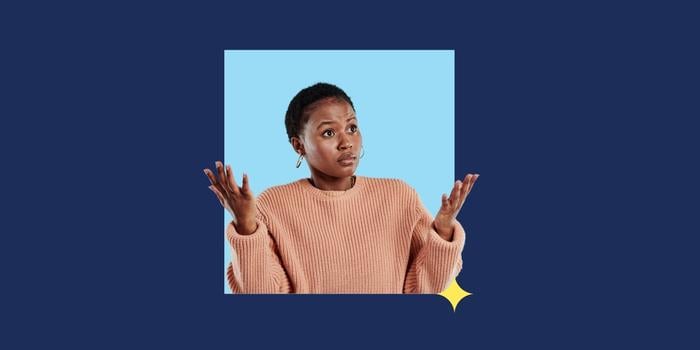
pixel 456 244
pixel 254 242
pixel 441 260
pixel 249 259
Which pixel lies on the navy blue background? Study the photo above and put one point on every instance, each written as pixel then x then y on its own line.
pixel 580 119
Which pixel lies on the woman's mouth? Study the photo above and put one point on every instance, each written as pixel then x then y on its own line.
pixel 347 159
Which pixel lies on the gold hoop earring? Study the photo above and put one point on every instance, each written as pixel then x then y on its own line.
pixel 301 156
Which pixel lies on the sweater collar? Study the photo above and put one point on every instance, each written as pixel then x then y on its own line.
pixel 309 188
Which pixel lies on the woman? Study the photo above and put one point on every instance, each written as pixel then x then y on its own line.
pixel 336 232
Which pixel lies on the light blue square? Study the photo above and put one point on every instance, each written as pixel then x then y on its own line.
pixel 404 101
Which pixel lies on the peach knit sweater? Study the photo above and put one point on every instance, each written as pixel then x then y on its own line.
pixel 376 237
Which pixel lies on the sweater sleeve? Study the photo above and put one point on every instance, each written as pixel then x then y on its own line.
pixel 433 261
pixel 255 264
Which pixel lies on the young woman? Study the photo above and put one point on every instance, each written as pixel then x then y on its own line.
pixel 337 232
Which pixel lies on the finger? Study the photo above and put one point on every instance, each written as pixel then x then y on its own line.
pixel 218 195
pixel 445 204
pixel 246 184
pixel 455 191
pixel 465 189
pixel 210 176
pixel 467 178
pixel 471 183
pixel 222 175
pixel 231 181
pixel 212 179
pixel 472 180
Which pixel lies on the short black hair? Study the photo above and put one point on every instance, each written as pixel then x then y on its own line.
pixel 296 118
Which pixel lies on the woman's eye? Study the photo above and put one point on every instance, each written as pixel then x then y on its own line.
pixel 353 128
pixel 329 133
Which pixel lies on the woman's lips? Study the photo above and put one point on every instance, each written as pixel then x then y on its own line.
pixel 347 159
pixel 346 162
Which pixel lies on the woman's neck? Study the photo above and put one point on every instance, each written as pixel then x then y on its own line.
pixel 327 183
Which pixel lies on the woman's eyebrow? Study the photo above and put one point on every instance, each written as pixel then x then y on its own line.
pixel 331 122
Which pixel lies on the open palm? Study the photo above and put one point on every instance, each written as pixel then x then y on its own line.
pixel 238 201
pixel 447 215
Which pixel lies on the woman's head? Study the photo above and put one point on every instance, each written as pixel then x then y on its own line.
pixel 322 125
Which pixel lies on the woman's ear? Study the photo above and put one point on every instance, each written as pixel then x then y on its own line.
pixel 298 145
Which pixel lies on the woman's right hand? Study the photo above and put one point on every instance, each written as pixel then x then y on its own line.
pixel 239 201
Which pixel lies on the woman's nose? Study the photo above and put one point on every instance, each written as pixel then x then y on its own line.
pixel 345 143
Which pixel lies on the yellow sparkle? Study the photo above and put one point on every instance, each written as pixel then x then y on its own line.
pixel 454 294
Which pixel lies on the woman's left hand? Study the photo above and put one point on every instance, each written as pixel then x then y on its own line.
pixel 446 217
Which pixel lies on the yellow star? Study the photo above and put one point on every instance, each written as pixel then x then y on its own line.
pixel 454 294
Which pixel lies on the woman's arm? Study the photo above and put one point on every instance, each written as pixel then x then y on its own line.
pixel 435 257
pixel 255 265
pixel 433 261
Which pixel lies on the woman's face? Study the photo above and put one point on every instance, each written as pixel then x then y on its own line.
pixel 331 139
